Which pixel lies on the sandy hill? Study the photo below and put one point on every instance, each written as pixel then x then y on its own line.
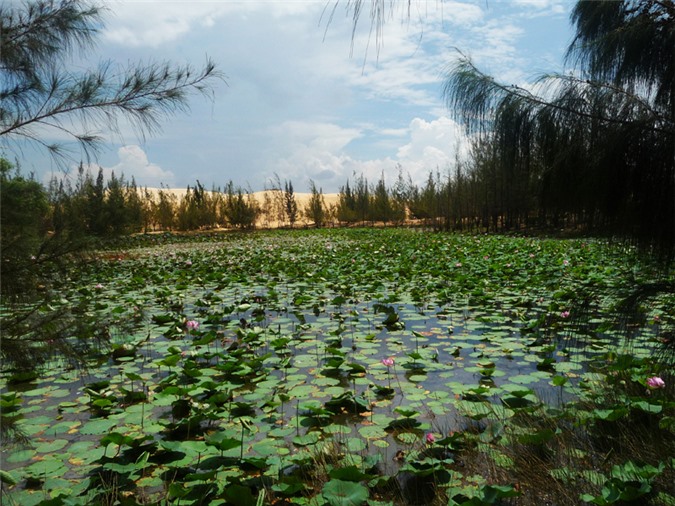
pixel 302 199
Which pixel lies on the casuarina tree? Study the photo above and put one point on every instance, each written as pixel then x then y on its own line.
pixel 43 96
pixel 594 146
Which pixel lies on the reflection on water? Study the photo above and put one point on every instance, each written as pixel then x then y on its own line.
pixel 307 336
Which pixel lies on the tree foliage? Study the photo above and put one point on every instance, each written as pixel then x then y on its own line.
pixel 240 208
pixel 41 96
pixel 346 206
pixel 593 147
pixel 590 149
pixel 290 204
pixel 23 211
pixel 315 209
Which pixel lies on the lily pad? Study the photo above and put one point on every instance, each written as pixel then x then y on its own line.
pixel 344 493
pixel 98 426
pixel 308 439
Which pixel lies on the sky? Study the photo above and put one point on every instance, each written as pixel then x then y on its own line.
pixel 304 100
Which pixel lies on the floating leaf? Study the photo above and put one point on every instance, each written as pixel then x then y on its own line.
pixel 344 493
pixel 408 438
pixel 647 406
pixel 559 381
pixel 7 478
pixel 307 440
pixel 51 446
pixel 407 412
pixel 163 319
pixel 97 426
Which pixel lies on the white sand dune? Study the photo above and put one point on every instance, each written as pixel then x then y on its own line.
pixel 302 200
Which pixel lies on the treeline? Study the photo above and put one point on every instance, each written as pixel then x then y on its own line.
pixel 592 147
pixel 117 206
pixel 472 196
pixel 100 207
pixel 39 223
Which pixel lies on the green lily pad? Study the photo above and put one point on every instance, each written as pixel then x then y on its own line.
pixel 308 439
pixel 355 444
pixel 408 438
pixel 20 456
pixel 372 432
pixel 523 379
pixel 417 378
pixel 46 467
pixel 98 426
pixel 51 446
pixel 344 493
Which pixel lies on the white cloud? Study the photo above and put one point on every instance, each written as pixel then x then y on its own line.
pixel 427 146
pixel 401 64
pixel 152 23
pixel 317 135
pixel 149 24
pixel 541 7
pixel 301 151
pixel 319 151
pixel 432 145
pixel 460 13
pixel 335 113
pixel 394 132
pixel 133 161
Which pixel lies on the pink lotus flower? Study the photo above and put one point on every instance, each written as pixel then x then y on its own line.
pixel 565 314
pixel 99 286
pixel 655 382
pixel 192 325
pixel 430 438
pixel 389 362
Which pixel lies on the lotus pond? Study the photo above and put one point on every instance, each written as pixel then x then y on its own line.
pixel 349 367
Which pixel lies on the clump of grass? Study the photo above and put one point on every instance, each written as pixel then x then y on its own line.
pixel 554 456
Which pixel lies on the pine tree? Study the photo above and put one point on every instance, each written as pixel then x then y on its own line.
pixel 594 146
pixel 380 206
pixel 41 94
pixel 290 205
pixel 316 206
pixel 346 206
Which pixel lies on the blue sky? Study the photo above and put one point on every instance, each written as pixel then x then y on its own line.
pixel 300 101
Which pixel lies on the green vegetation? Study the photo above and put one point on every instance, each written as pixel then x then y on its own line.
pixel 316 210
pixel 590 148
pixel 42 96
pixel 353 366
pixel 347 366
pixel 593 147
